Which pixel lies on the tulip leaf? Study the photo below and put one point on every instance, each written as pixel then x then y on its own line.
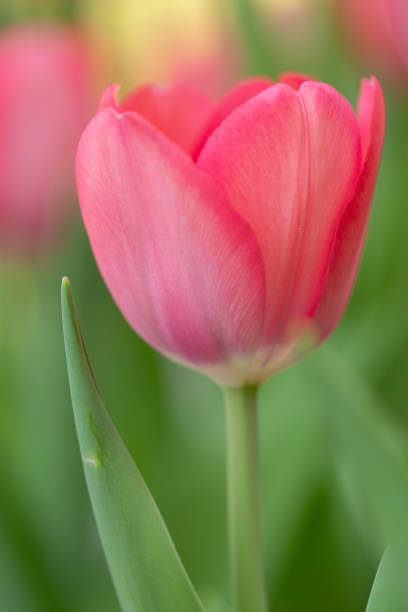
pixel 368 446
pixel 145 567
pixel 390 588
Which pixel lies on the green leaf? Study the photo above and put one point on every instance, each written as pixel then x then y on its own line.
pixel 369 447
pixel 390 588
pixel 145 567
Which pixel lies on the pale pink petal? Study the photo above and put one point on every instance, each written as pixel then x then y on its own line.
pixel 289 163
pixel 352 230
pixel 242 92
pixel 179 111
pixel 183 267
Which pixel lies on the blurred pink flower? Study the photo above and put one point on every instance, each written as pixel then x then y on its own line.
pixel 45 96
pixel 236 256
pixel 379 31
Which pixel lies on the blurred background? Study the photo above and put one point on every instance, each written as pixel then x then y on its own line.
pixel 333 429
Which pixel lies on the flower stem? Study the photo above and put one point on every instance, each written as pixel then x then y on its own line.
pixel 244 507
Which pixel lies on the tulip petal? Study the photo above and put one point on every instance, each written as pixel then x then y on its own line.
pixel 257 154
pixel 183 267
pixel 243 91
pixel 178 111
pixel 350 238
pixel 288 161
pixel 109 98
pixel 334 166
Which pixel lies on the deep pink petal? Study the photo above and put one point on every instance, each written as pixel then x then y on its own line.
pixel 257 155
pixel 242 92
pixel 288 162
pixel 334 166
pixel 183 267
pixel 352 230
pixel 294 79
pixel 178 111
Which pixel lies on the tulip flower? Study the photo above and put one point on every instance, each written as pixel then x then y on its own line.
pixel 234 250
pixel 379 31
pixel 44 104
pixel 239 257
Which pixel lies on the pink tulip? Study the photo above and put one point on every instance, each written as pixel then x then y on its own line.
pixel 379 30
pixel 238 257
pixel 44 102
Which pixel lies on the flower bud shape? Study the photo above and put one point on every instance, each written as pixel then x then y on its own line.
pixel 234 252
pixel 378 29
pixel 44 105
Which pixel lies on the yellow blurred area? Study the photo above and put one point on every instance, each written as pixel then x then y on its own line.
pixel 146 40
pixel 283 6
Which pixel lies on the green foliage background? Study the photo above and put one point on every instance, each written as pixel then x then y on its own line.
pixel 333 429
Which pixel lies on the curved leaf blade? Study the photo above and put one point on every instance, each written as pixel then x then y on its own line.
pixel 146 569
pixel 390 588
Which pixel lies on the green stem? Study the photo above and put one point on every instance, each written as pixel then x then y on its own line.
pixel 244 507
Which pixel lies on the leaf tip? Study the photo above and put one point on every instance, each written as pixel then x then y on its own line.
pixel 66 296
pixel 65 284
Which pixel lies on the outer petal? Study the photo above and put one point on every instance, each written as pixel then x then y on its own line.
pixel 334 166
pixel 352 230
pixel 178 111
pixel 182 266
pixel 243 91
pixel 109 98
pixel 288 162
